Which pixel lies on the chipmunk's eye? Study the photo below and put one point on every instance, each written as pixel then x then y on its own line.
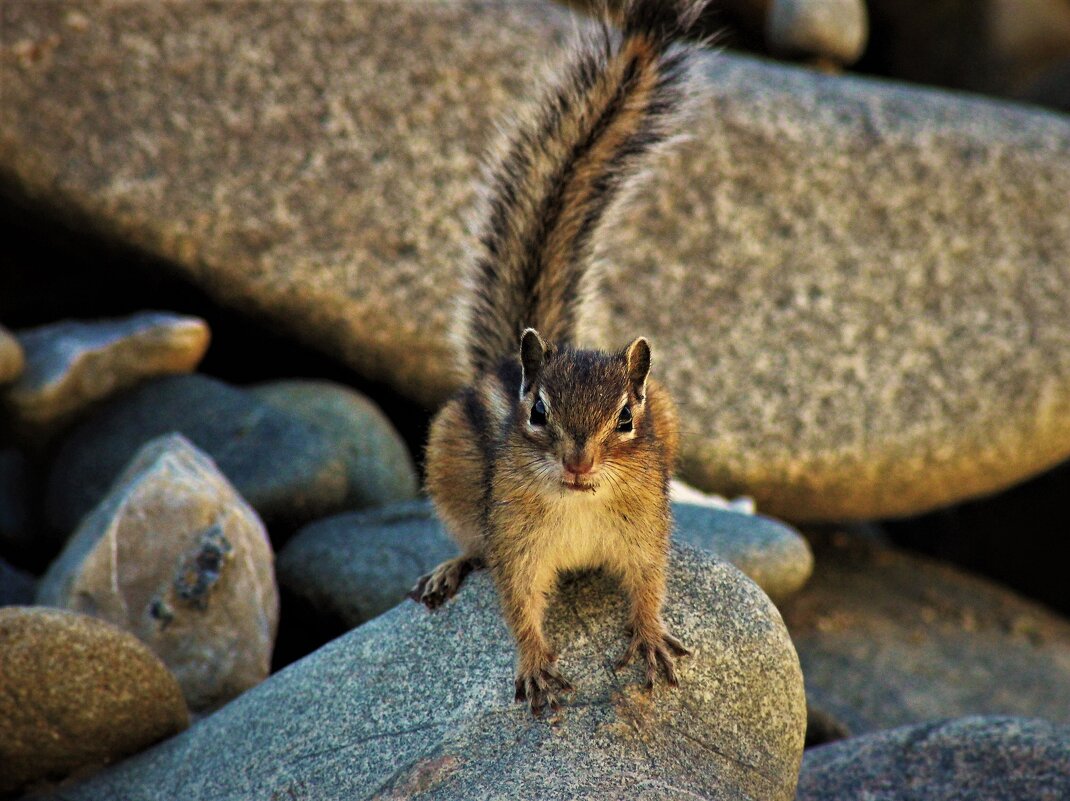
pixel 538 413
pixel 624 422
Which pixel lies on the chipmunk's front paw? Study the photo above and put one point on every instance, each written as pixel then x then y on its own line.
pixel 658 649
pixel 442 583
pixel 540 687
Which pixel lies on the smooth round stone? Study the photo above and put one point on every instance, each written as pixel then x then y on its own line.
pixel 76 693
pixel 836 30
pixel 286 469
pixel 966 759
pixel 419 704
pixel 378 465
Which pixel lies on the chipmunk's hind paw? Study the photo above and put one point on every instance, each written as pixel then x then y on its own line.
pixel 442 583
pixel 658 652
pixel 541 687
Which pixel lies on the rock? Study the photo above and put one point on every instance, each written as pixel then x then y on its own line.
pixel 870 291
pixel 353 567
pixel 16 586
pixel 175 556
pixel 11 357
pixel 287 470
pixel 378 465
pixel 76 693
pixel 72 364
pixel 833 30
pixel 994 758
pixel 887 639
pixel 420 705
pixel 14 501
pixel 771 554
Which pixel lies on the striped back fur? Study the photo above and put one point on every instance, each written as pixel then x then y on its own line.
pixel 563 169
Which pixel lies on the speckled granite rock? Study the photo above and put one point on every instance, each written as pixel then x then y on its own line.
pixel 72 364
pixel 378 465
pixel 11 356
pixel 175 556
pixel 968 759
pixel 353 567
pixel 888 639
pixel 419 705
pixel 848 284
pixel 286 469
pixel 76 693
pixel 833 30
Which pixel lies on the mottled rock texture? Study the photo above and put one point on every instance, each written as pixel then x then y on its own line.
pixel 420 705
pixel 12 360
pixel 175 556
pixel 76 693
pixel 353 567
pixel 854 288
pixel 967 759
pixel 287 470
pixel 888 639
pixel 72 364
pixel 379 469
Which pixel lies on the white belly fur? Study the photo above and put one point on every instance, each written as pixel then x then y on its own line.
pixel 577 532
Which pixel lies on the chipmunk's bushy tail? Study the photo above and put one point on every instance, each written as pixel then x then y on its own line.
pixel 564 168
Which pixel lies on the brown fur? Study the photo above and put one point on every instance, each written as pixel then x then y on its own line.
pixel 580 484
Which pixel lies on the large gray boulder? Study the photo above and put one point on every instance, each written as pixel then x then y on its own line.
pixel 419 704
pixel 967 759
pixel 888 639
pixel 176 557
pixel 848 284
pixel 355 566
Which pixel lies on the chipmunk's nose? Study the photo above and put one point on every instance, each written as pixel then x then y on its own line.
pixel 579 464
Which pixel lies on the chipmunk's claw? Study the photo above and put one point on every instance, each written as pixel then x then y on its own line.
pixel 540 687
pixel 442 583
pixel 657 651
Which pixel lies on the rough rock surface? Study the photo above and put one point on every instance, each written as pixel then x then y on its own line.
pixel 420 705
pixel 888 639
pixel 72 364
pixel 991 758
pixel 848 284
pixel 353 567
pixel 175 556
pixel 835 30
pixel 287 470
pixel 76 693
pixel 12 360
pixel 378 465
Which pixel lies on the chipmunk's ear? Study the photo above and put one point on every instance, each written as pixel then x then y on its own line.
pixel 637 357
pixel 532 357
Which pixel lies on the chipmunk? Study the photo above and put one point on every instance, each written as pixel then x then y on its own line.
pixel 555 457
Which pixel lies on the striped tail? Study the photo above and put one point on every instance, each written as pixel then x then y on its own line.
pixel 563 169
